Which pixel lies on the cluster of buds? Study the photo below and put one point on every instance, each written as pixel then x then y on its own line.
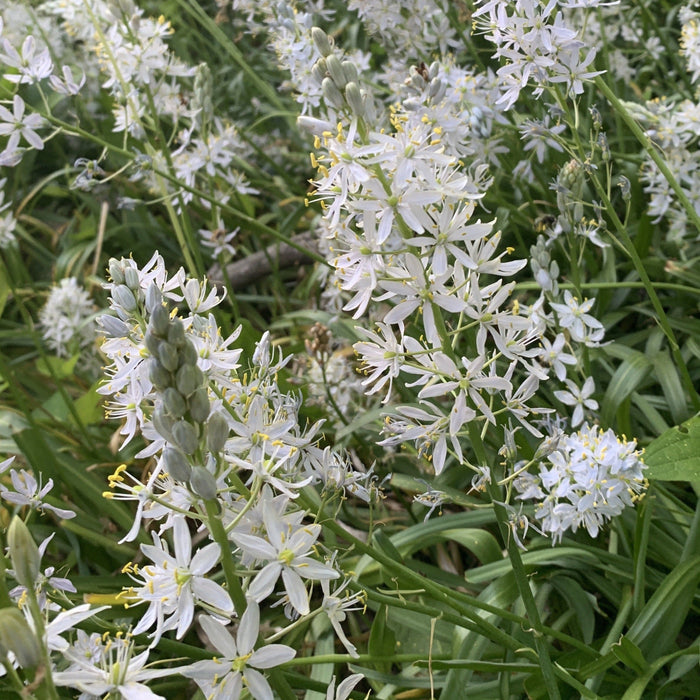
pixel 339 80
pixel 425 81
pixel 182 410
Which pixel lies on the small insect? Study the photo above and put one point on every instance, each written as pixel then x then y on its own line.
pixel 542 223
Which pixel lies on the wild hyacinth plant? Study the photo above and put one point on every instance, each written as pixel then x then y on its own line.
pixel 349 350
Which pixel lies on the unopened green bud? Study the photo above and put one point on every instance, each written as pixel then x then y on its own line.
pixel 331 94
pixel 16 636
pixel 350 71
pixel 23 552
pixel 217 432
pixel 199 405
pixel 319 70
pixel 162 422
pixel 188 379
pixel 203 483
pixel 437 89
pixel 176 333
pixel 124 297
pixel 116 271
pixel 185 437
pixel 131 278
pixel 354 98
pixel 322 41
pixel 160 320
pixel 188 354
pixel 174 402
pixel 152 341
pixel 176 464
pixel 167 355
pixel 159 376
pixel 336 71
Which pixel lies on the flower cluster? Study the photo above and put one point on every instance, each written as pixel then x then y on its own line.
pixel 589 478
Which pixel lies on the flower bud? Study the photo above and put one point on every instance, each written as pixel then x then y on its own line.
pixel 159 376
pixel 131 279
pixel 185 437
pixel 331 94
pixel 322 41
pixel 176 464
pixel 113 327
pixel 167 355
pixel 174 402
pixel 199 405
pixel 437 89
pixel 162 422
pixel 188 379
pixel 176 333
pixel 116 271
pixel 23 552
pixel 124 297
pixel 336 71
pixel 350 71
pixel 217 432
pixel 160 320
pixel 354 99
pixel 154 298
pixel 203 483
pixel 188 354
pixel 319 70
pixel 16 636
pixel 152 341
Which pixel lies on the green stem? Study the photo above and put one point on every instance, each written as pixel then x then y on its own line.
pixel 216 528
pixel 38 618
pixel 521 579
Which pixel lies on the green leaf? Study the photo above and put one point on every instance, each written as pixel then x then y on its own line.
pixel 382 641
pixel 630 655
pixel 58 367
pixel 658 624
pixel 626 379
pixel 675 455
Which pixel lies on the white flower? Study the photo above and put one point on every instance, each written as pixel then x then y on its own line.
pixel 32 66
pixel 578 398
pixel 114 670
pixel 27 491
pixel 173 585
pixel 16 124
pixel 237 660
pixel 575 317
pixel 67 318
pixel 287 550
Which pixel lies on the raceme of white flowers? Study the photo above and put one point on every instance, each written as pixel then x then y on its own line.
pixel 415 261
